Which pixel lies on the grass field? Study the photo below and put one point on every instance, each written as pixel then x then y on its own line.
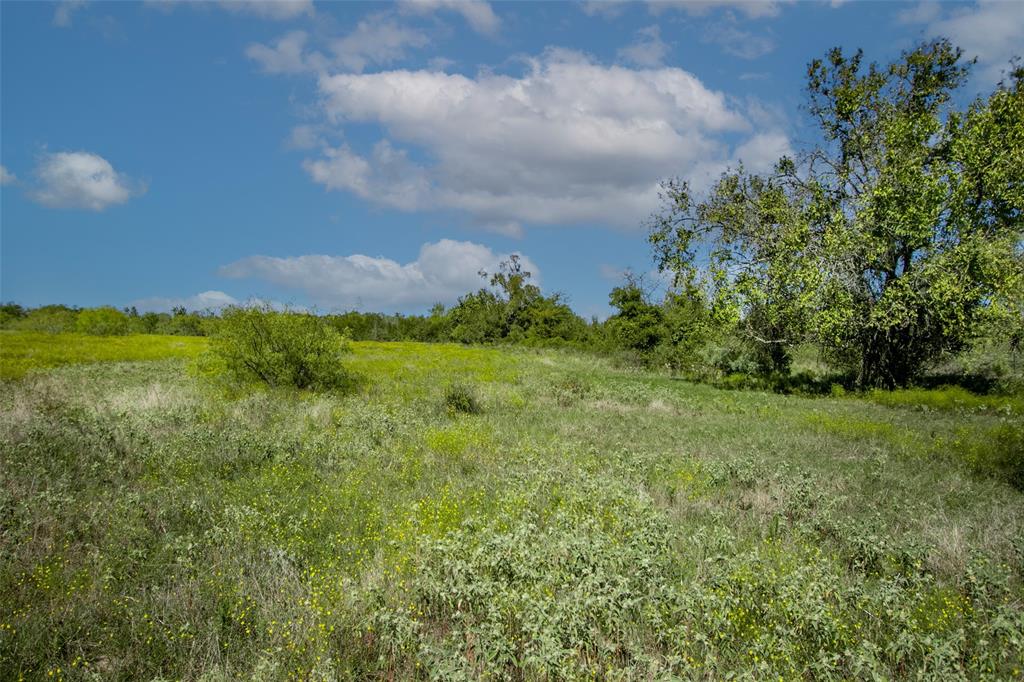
pixel 21 352
pixel 590 522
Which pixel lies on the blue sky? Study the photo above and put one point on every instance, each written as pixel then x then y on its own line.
pixel 377 156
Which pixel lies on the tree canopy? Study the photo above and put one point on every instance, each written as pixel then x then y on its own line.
pixel 894 241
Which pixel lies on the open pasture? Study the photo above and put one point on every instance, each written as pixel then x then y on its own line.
pixel 587 522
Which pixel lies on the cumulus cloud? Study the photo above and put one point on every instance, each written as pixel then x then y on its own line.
pixel 648 49
pixel 6 176
pixel 477 13
pixel 81 180
pixel 207 300
pixel 569 141
pixel 990 30
pixel 443 271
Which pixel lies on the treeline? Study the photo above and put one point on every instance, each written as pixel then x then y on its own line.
pixel 508 309
pixel 106 320
pixel 678 331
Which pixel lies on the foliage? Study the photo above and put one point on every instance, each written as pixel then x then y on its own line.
pixel 52 319
pixel 892 243
pixel 9 313
pixel 513 310
pixel 105 321
pixel 639 324
pixel 280 349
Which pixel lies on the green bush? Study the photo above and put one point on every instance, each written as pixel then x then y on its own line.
pixel 105 321
pixel 461 398
pixel 280 348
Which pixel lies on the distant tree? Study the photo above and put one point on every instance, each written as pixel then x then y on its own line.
pixel 891 243
pixel 688 327
pixel 513 309
pixel 104 321
pixel 639 324
pixel 10 312
pixel 52 319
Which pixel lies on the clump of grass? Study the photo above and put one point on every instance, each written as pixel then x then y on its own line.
pixel 571 390
pixel 947 398
pixel 461 398
pixel 998 452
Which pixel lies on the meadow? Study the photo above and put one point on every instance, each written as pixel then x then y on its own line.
pixel 495 513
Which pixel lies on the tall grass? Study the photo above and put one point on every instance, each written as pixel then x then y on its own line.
pixel 590 523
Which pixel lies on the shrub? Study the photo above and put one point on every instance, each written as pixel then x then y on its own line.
pixel 461 398
pixel 105 321
pixel 280 348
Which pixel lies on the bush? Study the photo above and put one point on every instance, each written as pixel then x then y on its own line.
pixel 461 398
pixel 280 348
pixel 105 321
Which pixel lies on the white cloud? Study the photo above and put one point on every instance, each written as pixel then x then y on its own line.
pixel 286 55
pixel 737 42
pixel 648 49
pixel 81 180
pixel 277 10
pixel 761 151
pixel 752 9
pixel 443 271
pixel 991 30
pixel 569 141
pixel 378 39
pixel 921 13
pixel 608 9
pixel 6 176
pixel 62 16
pixel 207 300
pixel 477 12
pixel 274 10
pixel 611 273
pixel 304 137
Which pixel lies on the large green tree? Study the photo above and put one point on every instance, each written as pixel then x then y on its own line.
pixel 513 309
pixel 892 242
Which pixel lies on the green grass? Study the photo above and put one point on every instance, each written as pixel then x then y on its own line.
pixel 586 522
pixel 948 398
pixel 22 352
